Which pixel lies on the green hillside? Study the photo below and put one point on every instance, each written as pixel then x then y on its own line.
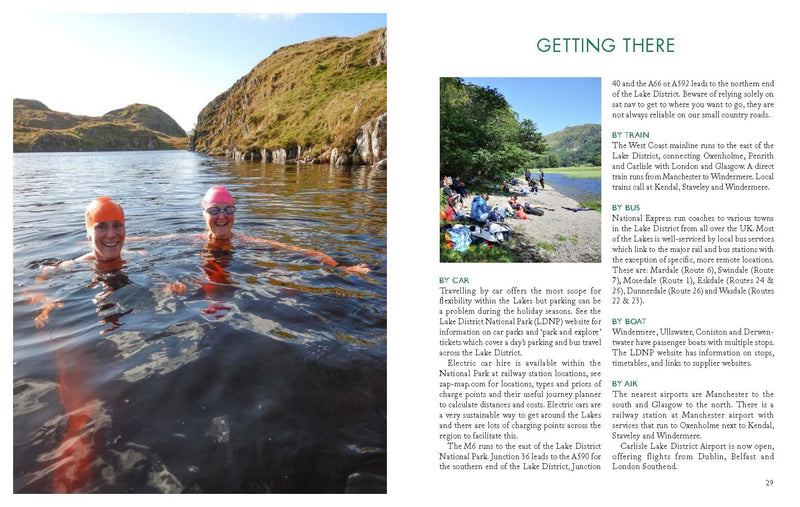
pixel 37 128
pixel 309 101
pixel 575 146
pixel 147 116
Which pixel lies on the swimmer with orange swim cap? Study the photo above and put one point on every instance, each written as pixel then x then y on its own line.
pixel 75 455
pixel 218 213
pixel 105 229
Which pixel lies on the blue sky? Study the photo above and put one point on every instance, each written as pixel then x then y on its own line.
pixel 551 103
pixel 90 64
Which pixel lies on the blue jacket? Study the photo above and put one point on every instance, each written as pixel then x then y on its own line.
pixel 479 207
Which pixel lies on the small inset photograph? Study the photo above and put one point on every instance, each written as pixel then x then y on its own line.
pixel 519 169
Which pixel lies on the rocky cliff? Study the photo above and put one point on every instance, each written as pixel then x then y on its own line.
pixel 136 127
pixel 320 101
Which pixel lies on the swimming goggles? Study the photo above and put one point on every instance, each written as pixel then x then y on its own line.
pixel 214 210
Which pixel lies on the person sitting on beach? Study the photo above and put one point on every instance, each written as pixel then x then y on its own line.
pixel 520 210
pixel 218 213
pixel 535 209
pixel 481 212
pixel 459 187
pixel 454 199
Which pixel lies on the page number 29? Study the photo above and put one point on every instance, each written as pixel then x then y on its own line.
pixel 769 482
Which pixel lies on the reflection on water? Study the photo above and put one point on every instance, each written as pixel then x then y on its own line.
pixel 187 369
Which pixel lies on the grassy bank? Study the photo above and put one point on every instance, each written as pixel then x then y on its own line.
pixel 594 204
pixel 592 173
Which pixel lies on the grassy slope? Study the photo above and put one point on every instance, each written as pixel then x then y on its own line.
pixel 313 94
pixel 149 117
pixel 37 128
pixel 575 172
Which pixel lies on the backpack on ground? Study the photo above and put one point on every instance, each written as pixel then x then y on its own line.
pixel 493 232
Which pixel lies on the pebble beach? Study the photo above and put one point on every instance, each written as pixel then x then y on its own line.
pixel 559 235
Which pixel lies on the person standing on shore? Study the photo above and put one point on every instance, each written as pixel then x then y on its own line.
pixel 541 178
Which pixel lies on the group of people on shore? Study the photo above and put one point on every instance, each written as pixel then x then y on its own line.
pixel 532 182
pixel 454 188
pixel 455 192
pixel 481 212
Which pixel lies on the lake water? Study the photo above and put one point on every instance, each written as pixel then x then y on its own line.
pixel 268 374
pixel 580 189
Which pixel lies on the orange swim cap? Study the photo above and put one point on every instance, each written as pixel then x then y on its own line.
pixel 102 209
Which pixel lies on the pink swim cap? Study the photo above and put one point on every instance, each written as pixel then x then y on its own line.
pixel 219 195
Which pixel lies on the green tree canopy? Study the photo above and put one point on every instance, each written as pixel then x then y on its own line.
pixel 549 159
pixel 480 133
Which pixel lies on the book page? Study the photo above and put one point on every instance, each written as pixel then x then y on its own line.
pixel 651 362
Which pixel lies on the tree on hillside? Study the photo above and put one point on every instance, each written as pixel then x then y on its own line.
pixel 530 138
pixel 547 160
pixel 480 133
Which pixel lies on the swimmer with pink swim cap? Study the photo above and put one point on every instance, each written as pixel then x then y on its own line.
pixel 218 210
pixel 218 213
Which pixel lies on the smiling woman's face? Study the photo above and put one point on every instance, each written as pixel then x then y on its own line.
pixel 107 238
pixel 219 226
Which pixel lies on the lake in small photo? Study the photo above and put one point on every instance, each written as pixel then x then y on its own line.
pixel 580 189
pixel 187 369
